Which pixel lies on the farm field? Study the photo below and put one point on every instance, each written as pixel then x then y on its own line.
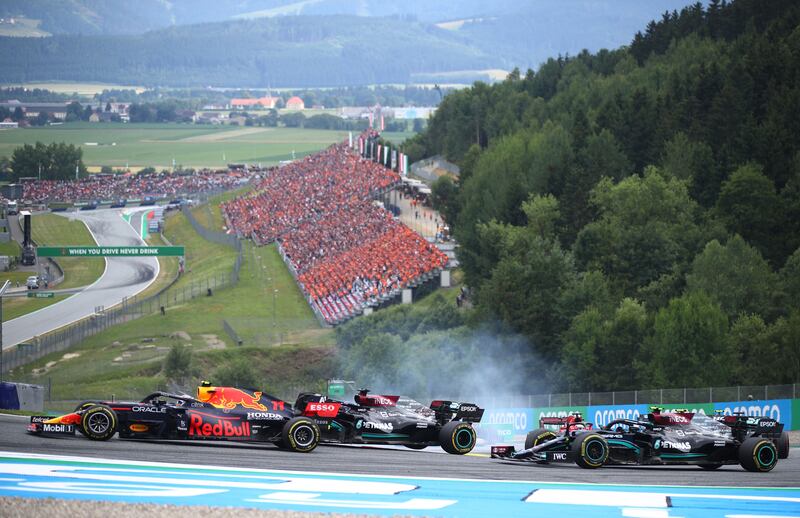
pixel 142 145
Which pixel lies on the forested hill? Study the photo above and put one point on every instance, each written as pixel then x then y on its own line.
pixel 286 51
pixel 302 42
pixel 635 214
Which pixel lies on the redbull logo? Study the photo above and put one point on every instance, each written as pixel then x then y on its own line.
pixel 229 398
pixel 221 428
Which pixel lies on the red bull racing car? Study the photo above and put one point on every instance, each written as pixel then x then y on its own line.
pixel 679 437
pixel 220 413
pixel 376 419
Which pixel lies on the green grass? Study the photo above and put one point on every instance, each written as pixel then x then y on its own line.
pixel 15 276
pixel 210 215
pixel 203 258
pixel 11 249
pixel 54 230
pixel 14 307
pixel 139 145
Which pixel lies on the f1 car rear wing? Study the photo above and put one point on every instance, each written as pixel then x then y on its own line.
pixel 453 411
pixel 752 425
pixel 574 421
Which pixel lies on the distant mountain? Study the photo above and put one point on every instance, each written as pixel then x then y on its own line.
pixel 302 43
pixel 284 51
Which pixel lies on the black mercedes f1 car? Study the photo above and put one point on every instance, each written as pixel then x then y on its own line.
pixel 221 413
pixel 374 419
pixel 659 438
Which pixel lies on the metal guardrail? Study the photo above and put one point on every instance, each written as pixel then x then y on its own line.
pixel 232 333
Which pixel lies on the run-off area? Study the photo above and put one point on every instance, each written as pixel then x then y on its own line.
pixel 76 478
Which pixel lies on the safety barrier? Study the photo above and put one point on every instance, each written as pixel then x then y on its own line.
pixel 511 424
pixel 21 396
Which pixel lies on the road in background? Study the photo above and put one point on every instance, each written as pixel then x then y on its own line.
pixel 123 278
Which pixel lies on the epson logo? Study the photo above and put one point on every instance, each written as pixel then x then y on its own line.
pixel 254 416
pixel 149 409
pixel 468 408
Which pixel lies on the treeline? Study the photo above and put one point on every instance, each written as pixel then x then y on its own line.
pixel 329 97
pixel 56 161
pixel 31 95
pixel 635 214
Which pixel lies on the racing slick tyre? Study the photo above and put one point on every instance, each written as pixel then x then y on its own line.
pixel 300 434
pixel 457 437
pixel 710 467
pixel 80 406
pixel 758 454
pixel 590 449
pixel 538 436
pixel 99 423
pixel 782 443
pixel 416 446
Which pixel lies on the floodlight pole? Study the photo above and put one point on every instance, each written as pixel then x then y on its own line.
pixel 2 292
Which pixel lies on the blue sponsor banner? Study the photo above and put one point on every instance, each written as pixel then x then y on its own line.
pixel 602 415
pixel 778 409
pixel 504 425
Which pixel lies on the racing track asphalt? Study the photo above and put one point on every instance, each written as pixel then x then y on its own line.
pixel 386 461
pixel 123 277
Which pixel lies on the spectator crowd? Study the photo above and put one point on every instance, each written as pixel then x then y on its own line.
pixel 347 252
pixel 127 186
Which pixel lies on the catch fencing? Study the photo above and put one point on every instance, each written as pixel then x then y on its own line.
pixel 665 396
pixel 174 294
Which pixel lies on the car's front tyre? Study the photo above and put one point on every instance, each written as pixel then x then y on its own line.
pixel 99 423
pixel 590 450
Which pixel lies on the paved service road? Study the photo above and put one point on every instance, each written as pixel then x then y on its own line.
pixel 123 277
pixel 386 461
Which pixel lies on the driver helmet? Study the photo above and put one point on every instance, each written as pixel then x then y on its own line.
pixel 205 391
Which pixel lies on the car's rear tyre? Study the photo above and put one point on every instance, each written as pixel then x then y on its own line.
pixel 590 450
pixel 710 467
pixel 99 423
pixel 782 443
pixel 537 437
pixel 758 454
pixel 300 434
pixel 457 437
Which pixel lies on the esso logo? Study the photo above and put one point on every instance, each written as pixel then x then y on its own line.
pixel 322 409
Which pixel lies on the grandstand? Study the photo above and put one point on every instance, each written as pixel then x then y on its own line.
pixel 346 252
